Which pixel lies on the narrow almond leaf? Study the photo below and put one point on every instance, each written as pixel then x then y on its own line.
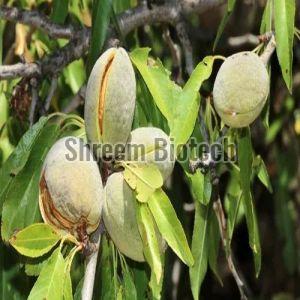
pixel 284 18
pixel 67 286
pixel 199 248
pixel 144 179
pixel 49 284
pixel 179 106
pixel 21 208
pixel 149 237
pixel 35 240
pixel 100 21
pixel 214 244
pixel 128 282
pixel 17 160
pixel 59 11
pixel 266 21
pixel 156 287
pixel 245 157
pixel 230 7
pixel 262 174
pixel 169 226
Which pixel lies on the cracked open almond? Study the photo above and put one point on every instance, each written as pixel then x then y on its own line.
pixel 71 191
pixel 110 99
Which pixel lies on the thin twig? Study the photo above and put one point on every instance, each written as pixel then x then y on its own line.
pixel 186 45
pixel 175 54
pixel 50 65
pixel 217 206
pixel 36 19
pixel 34 100
pixel 77 100
pixel 51 93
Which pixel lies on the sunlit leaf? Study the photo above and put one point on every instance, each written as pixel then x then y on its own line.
pixel 170 226
pixel 35 240
pixel 49 284
pixel 151 245
pixel 144 179
pixel 179 106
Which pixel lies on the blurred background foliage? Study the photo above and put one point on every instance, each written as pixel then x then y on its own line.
pixel 275 137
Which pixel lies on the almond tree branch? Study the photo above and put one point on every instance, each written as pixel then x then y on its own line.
pixel 80 39
pixel 38 20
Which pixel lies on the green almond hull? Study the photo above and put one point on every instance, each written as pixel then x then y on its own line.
pixel 241 89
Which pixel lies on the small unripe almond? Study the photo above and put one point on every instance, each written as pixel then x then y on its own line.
pixel 151 145
pixel 119 216
pixel 241 89
pixel 110 99
pixel 71 191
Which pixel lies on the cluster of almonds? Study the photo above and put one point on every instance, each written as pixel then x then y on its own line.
pixel 72 197
pixel 71 191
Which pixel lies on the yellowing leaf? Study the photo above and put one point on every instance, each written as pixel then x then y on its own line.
pixel 35 240
pixel 143 178
pixel 150 241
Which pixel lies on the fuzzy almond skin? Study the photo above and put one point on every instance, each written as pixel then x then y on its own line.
pixel 119 216
pixel 241 89
pixel 157 149
pixel 119 98
pixel 74 186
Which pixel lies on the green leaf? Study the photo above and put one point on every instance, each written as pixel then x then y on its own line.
pixel 13 284
pixel 179 106
pixel 156 287
pixel 169 226
pixel 284 18
pixel 262 173
pixel 128 282
pixel 17 160
pixel 34 267
pixel 199 248
pixel 106 278
pixel 74 75
pixel 59 11
pixel 77 294
pixel 245 162
pixel 67 285
pixel 35 240
pixel 100 21
pixel 150 242
pixel 214 244
pixel 230 7
pixel 143 178
pixel 49 284
pixel 21 208
pixel 266 22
